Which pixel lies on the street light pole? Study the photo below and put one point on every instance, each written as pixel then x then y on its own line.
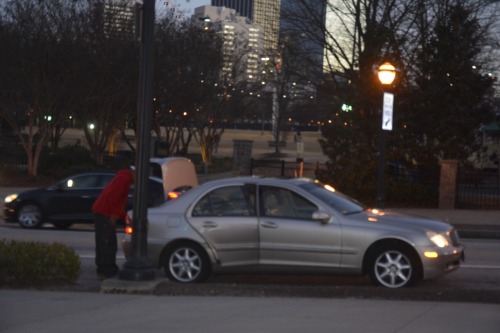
pixel 137 267
pixel 386 75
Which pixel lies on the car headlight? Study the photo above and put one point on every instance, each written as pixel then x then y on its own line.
pixel 10 198
pixel 438 239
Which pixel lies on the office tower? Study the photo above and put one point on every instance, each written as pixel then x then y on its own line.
pixel 265 13
pixel 302 24
pixel 119 18
pixel 242 41
pixel 242 7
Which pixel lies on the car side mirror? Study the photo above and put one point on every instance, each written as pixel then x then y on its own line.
pixel 321 216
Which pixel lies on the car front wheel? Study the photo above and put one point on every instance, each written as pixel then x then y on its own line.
pixel 394 268
pixel 30 216
pixel 187 263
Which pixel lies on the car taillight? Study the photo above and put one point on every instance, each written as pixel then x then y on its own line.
pixel 129 230
pixel 173 195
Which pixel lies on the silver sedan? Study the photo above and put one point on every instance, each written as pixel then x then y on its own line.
pixel 295 225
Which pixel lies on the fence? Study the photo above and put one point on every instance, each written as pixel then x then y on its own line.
pixel 477 189
pixel 14 161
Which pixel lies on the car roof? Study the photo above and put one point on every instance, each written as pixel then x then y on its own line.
pixel 260 180
pixel 103 173
pixel 178 205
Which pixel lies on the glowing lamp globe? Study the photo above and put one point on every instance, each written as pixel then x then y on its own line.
pixel 386 73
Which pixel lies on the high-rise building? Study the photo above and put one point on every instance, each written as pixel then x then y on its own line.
pixel 265 13
pixel 242 7
pixel 302 24
pixel 242 41
pixel 119 18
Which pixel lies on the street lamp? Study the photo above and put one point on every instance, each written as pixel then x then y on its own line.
pixel 386 75
pixel 138 267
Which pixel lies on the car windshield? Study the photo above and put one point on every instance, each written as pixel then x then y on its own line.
pixel 333 198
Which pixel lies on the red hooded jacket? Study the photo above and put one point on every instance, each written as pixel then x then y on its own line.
pixel 113 199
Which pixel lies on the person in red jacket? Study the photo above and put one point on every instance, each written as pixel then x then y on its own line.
pixel 108 209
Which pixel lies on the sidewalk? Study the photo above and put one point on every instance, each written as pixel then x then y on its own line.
pixel 37 311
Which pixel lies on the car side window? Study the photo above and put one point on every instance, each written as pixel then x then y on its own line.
pixel 303 208
pixel 82 182
pixel 104 180
pixel 225 201
pixel 281 202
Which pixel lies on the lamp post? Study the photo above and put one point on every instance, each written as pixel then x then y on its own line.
pixel 137 267
pixel 386 75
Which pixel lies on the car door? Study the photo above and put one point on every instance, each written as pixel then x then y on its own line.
pixel 226 219
pixel 72 199
pixel 289 235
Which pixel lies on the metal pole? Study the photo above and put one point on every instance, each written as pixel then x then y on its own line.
pixel 381 172
pixel 137 267
pixel 386 75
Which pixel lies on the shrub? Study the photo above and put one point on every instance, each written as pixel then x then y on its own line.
pixel 35 263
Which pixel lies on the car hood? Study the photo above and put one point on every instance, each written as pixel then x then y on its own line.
pixel 398 220
pixel 30 193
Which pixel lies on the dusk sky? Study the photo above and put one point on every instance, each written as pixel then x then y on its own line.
pixel 186 7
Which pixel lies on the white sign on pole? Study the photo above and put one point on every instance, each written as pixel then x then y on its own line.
pixel 387 111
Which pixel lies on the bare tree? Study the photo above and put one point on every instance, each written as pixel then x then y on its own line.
pixel 176 73
pixel 106 73
pixel 35 70
pixel 193 99
pixel 358 36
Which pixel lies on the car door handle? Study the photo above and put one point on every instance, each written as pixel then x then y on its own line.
pixel 86 196
pixel 209 224
pixel 270 225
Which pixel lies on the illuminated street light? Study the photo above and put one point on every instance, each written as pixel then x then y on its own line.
pixel 386 75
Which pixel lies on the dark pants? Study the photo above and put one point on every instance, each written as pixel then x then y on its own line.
pixel 105 246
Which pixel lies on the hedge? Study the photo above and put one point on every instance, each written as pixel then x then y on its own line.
pixel 35 263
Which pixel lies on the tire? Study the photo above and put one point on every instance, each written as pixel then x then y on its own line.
pixel 187 263
pixel 30 216
pixel 394 267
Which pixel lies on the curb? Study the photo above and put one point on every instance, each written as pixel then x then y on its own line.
pixel 117 286
pixel 478 231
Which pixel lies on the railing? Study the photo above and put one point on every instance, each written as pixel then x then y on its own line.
pixel 14 161
pixel 477 189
